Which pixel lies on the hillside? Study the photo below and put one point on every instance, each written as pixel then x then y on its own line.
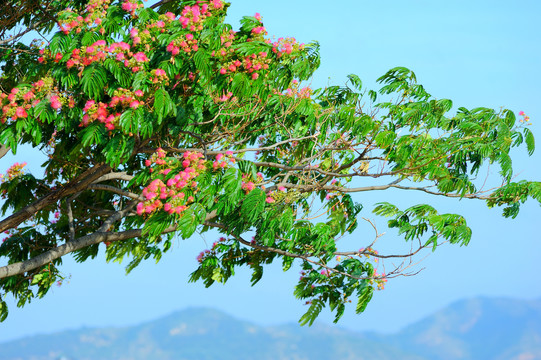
pixel 471 329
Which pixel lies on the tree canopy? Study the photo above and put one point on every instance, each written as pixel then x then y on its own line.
pixel 164 121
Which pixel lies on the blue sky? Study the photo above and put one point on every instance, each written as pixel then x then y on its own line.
pixel 477 53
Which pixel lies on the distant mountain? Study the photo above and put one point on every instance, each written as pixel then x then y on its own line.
pixel 479 329
pixel 482 328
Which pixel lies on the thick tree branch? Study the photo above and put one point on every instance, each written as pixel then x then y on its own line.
pixel 70 246
pixel 101 235
pixel 116 191
pixel 78 184
pixel 114 176
pixel 4 150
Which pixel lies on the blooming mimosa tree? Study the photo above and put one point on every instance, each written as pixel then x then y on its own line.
pixel 161 122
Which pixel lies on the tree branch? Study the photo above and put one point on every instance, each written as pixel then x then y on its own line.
pixel 4 150
pixel 116 191
pixel 78 184
pixel 114 176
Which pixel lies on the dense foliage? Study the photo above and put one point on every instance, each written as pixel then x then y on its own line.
pixel 162 122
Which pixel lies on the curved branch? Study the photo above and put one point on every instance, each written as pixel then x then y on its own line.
pixel 3 150
pixel 394 184
pixel 78 184
pixel 305 257
pixel 101 235
pixel 70 246
pixel 116 191
pixel 114 176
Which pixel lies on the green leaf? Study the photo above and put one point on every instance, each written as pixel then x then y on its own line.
pixel 355 81
pixel 240 85
pixel 364 298
pixel 93 81
pixel 530 141
pixel 3 310
pixel 253 205
pixel 312 313
pixel 163 105
pixel 92 134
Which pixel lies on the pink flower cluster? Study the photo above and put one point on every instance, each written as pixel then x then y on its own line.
pixel 125 98
pixel 286 46
pixel 13 171
pixel 212 251
pixel 98 111
pixel 187 43
pixel 95 12
pixel 158 76
pixel 380 280
pixel 299 93
pixel 525 118
pixel 248 185
pixel 109 113
pixel 259 30
pixel 19 101
pixel 368 252
pixel 249 64
pixel 224 97
pixel 169 192
pixel 222 161
pixel 192 17
pixel 99 51
pixel 131 5
pixel 325 272
pixel 226 39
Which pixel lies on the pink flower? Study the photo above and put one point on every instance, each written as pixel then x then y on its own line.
pixel 281 188
pixel 269 200
pixel 160 72
pixel 229 153
pixel 28 96
pixel 20 112
pixel 325 272
pixel 223 71
pixel 138 93
pixel 217 4
pixel 522 113
pixel 258 30
pixel 89 104
pixel 257 16
pixel 140 57
pixel 55 102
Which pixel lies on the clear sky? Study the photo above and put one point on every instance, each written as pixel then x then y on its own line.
pixel 477 53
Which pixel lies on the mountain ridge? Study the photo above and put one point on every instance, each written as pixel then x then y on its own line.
pixel 479 328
